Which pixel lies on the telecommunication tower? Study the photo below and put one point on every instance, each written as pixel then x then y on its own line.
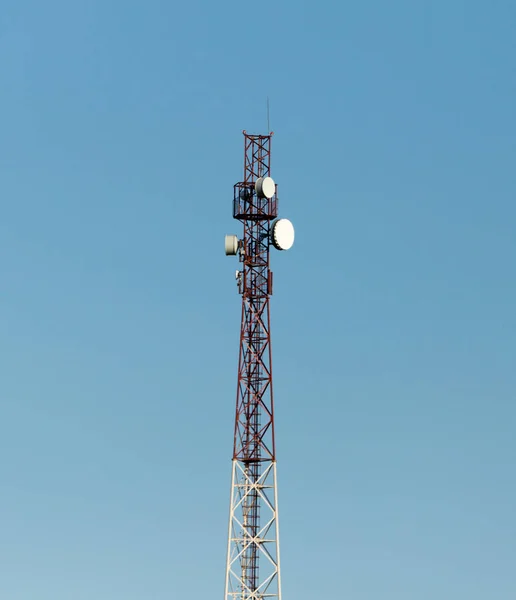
pixel 253 556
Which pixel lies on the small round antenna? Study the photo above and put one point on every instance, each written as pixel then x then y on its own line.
pixel 231 245
pixel 265 187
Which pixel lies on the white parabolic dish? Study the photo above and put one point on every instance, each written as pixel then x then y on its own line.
pixel 283 234
pixel 265 187
pixel 231 245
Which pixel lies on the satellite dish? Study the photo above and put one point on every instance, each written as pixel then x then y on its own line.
pixel 245 194
pixel 265 187
pixel 231 245
pixel 283 234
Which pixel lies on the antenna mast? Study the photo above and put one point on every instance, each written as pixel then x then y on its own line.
pixel 253 556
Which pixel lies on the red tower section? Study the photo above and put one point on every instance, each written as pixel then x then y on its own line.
pixel 254 424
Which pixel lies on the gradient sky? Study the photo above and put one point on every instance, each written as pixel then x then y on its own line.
pixel 394 319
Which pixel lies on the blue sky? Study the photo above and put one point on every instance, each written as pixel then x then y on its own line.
pixel 393 315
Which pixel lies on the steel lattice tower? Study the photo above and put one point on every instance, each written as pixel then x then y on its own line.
pixel 253 557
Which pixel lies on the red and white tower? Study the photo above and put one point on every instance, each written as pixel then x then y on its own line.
pixel 253 558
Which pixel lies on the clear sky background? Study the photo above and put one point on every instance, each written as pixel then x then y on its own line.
pixel 394 321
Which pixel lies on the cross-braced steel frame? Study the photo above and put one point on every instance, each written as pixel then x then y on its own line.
pixel 253 559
